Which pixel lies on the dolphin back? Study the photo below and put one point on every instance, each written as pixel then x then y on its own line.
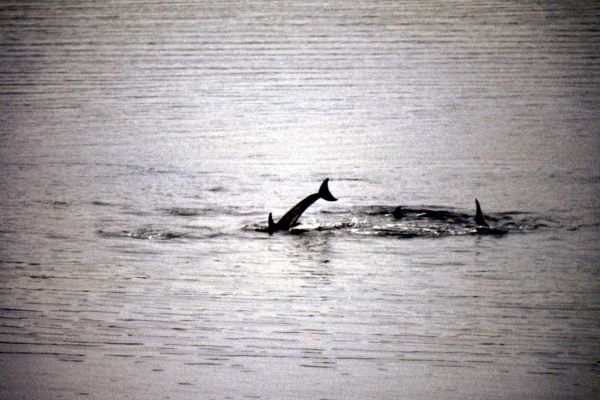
pixel 324 192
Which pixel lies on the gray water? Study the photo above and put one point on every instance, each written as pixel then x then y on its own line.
pixel 143 144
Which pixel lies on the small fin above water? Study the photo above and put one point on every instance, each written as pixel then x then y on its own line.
pixel 479 219
pixel 271 227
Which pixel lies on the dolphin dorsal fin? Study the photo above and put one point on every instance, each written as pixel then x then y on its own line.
pixel 271 224
pixel 324 192
pixel 479 219
pixel 397 212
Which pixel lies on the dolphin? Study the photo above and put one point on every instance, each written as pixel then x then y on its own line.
pixel 483 227
pixel 290 219
pixel 479 219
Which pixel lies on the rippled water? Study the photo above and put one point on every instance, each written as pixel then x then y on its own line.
pixel 143 144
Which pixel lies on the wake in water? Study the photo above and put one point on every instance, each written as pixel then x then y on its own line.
pixel 409 222
pixel 401 222
pixel 177 224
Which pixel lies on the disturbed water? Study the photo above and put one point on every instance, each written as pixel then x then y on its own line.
pixel 143 144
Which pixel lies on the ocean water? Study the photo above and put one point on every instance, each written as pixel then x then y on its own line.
pixel 143 144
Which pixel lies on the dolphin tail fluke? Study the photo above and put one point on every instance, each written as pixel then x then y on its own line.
pixel 479 219
pixel 271 224
pixel 324 192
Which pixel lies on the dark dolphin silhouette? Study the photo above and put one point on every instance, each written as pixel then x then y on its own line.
pixel 479 219
pixel 424 213
pixel 290 219
pixel 483 227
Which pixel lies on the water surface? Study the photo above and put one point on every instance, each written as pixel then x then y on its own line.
pixel 143 142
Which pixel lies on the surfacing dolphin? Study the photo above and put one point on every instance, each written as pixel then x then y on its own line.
pixel 479 219
pixel 290 219
pixel 449 217
pixel 482 226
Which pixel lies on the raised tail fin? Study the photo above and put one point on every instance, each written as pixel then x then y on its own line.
pixel 479 219
pixel 324 192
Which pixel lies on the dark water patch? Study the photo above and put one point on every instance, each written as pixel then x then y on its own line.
pixel 484 230
pixel 100 203
pixel 72 359
pixel 334 212
pixel 252 338
pixel 40 277
pixel 256 227
pixel 187 212
pixel 203 363
pixel 592 179
pixel 146 233
pixel 41 343
pixel 136 212
pixel 408 232
pixel 371 210
pixel 12 262
pixel 209 211
pixel 153 170
pixel 452 365
pixel 45 353
pixel 18 310
pixel 342 179
pixel 322 366
pixel 545 373
pixel 584 226
pixel 57 236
